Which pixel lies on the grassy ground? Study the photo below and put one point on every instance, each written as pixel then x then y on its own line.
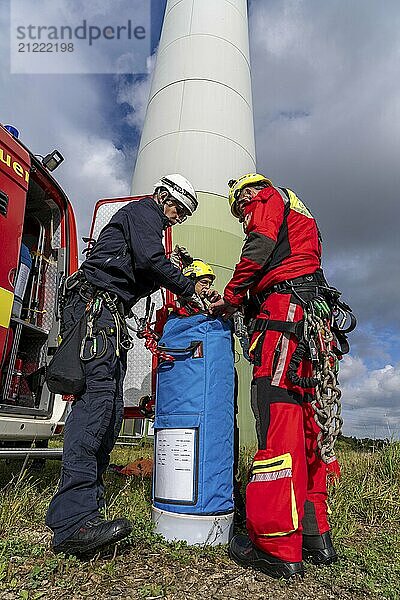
pixel 365 516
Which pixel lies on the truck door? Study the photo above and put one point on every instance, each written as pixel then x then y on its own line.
pixel 14 180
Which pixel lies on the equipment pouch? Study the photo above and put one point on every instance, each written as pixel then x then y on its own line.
pixel 65 372
pixel 270 499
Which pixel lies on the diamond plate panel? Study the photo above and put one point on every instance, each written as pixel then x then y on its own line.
pixel 104 214
pixel 51 271
pixel 50 292
pixel 138 375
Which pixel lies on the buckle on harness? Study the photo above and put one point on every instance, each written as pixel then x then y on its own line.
pixel 73 280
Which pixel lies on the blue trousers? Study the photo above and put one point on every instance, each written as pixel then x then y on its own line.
pixel 91 430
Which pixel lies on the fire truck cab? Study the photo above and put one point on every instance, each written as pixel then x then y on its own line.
pixel 38 248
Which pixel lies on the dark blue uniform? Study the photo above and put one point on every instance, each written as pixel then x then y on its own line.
pixel 129 260
pixel 129 257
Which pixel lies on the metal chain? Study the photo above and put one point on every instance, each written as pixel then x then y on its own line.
pixel 326 400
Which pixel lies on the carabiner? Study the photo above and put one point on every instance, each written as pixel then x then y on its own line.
pixel 127 343
pixel 89 346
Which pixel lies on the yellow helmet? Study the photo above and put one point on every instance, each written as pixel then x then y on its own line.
pixel 197 269
pixel 236 185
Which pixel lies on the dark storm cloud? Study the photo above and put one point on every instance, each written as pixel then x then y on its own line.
pixel 326 96
pixel 327 113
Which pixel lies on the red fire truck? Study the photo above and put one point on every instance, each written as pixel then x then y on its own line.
pixel 38 242
pixel 38 248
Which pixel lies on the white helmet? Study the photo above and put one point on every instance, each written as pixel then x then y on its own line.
pixel 180 189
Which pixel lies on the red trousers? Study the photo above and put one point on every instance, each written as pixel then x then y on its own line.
pixel 287 492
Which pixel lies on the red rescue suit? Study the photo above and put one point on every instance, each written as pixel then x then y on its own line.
pixel 287 492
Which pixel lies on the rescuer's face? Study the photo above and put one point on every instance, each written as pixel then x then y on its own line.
pixel 174 212
pixel 202 286
pixel 246 195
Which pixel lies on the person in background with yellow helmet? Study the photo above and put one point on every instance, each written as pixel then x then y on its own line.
pixel 280 269
pixel 203 277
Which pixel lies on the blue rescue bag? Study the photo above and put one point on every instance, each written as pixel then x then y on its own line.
pixel 193 468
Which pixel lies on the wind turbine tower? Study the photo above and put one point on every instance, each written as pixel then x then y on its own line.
pixel 199 123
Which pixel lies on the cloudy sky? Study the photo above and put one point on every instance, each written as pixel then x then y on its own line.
pixel 326 93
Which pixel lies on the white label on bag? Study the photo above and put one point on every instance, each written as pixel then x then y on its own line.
pixel 175 464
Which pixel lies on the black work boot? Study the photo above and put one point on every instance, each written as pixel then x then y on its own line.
pixel 318 549
pixel 240 508
pixel 94 535
pixel 242 551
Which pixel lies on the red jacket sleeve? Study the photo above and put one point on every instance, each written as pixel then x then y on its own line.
pixel 263 219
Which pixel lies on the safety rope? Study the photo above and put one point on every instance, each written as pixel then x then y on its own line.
pixel 151 343
pixel 145 332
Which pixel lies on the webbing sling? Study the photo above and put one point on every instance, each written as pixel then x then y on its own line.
pixel 297 328
pixel 261 325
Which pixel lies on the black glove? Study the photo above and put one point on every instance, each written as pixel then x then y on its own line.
pixel 180 256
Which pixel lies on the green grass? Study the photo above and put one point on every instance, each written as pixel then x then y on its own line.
pixel 365 517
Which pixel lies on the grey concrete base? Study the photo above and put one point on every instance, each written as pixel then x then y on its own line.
pixel 196 530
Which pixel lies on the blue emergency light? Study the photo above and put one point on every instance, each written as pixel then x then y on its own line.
pixel 13 130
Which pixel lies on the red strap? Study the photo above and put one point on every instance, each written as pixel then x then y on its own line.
pixel 151 343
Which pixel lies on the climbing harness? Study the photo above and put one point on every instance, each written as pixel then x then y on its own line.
pixel 124 340
pixel 94 342
pixel 322 335
pixel 90 348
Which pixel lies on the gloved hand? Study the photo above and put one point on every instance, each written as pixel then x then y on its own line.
pixel 212 296
pixel 180 257
pixel 222 308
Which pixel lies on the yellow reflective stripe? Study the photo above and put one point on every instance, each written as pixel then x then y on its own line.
pixel 277 533
pixel 6 303
pixel 284 461
pixel 295 515
pixel 254 344
pixel 297 205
